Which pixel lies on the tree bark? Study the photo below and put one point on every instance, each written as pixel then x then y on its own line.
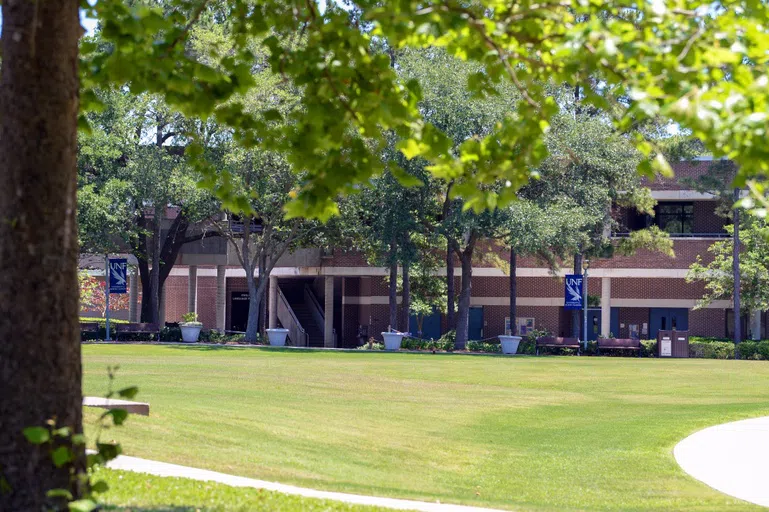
pixel 450 320
pixel 393 295
pixel 40 369
pixel 575 314
pixel 463 311
pixel 736 272
pixel 154 290
pixel 513 292
pixel 406 296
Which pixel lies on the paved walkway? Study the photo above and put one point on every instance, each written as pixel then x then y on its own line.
pixel 732 458
pixel 172 470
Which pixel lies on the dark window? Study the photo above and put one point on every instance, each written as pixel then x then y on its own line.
pixel 675 218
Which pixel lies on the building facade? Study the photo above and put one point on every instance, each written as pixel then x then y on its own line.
pixel 336 299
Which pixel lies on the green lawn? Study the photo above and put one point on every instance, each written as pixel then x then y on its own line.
pixel 548 433
pixel 133 492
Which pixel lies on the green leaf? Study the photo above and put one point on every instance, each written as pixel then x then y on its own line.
pixel 118 415
pixel 109 451
pixel 61 456
pixel 59 493
pixel 99 487
pixel 128 393
pixel 82 505
pixel 37 435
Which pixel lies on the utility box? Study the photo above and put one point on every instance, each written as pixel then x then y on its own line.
pixel 672 343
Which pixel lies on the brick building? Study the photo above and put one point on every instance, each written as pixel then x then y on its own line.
pixel 329 297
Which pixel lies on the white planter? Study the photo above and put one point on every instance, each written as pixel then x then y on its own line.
pixel 392 340
pixel 190 333
pixel 277 337
pixel 509 343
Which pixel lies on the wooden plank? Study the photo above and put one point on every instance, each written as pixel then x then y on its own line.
pixel 141 408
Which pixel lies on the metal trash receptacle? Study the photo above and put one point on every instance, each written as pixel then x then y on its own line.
pixel 672 343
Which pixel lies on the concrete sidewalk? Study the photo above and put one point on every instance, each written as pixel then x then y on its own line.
pixel 732 458
pixel 172 470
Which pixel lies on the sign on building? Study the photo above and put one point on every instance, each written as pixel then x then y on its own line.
pixel 118 275
pixel 573 291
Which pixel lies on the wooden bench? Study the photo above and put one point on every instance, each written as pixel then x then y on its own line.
pixel 619 344
pixel 89 328
pixel 553 342
pixel 151 329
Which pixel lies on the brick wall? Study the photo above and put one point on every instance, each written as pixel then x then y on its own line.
pixel 707 322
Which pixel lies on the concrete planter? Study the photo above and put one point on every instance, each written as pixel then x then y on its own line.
pixel 277 337
pixel 190 332
pixel 392 340
pixel 509 343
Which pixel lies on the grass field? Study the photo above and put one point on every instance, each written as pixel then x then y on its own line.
pixel 548 433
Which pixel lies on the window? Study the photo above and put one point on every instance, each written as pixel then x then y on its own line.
pixel 675 218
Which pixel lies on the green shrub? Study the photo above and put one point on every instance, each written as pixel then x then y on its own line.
pixel 707 339
pixel 372 345
pixel 447 340
pixel 483 346
pixel 648 348
pixel 763 349
pixel 712 350
pixel 748 349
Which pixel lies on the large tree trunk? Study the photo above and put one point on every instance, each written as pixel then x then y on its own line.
pixel 255 292
pixel 450 321
pixel 576 313
pixel 406 296
pixel 736 272
pixel 154 294
pixel 393 295
pixel 40 372
pixel 463 311
pixel 513 292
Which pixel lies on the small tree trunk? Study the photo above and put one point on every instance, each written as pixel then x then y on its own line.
pixel 463 312
pixel 575 314
pixel 406 296
pixel 40 370
pixel 450 321
pixel 736 272
pixel 513 292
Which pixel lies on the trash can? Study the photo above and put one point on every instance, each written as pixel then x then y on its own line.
pixel 672 343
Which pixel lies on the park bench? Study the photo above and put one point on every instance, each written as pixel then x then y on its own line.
pixel 130 328
pixel 619 344
pixel 553 342
pixel 89 328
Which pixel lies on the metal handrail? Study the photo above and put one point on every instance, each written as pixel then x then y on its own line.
pixel 315 308
pixel 296 333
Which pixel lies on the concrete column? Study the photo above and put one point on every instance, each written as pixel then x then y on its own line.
pixel 755 325
pixel 328 328
pixel 221 296
pixel 272 303
pixel 162 308
pixel 192 290
pixel 606 307
pixel 133 297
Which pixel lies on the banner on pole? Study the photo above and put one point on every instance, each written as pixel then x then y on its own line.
pixel 573 292
pixel 118 275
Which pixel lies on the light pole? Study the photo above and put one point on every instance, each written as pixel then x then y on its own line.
pixel 585 266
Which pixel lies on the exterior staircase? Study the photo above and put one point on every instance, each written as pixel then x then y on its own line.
pixel 293 290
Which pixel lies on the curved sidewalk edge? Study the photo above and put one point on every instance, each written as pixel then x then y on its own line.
pixel 732 458
pixel 151 467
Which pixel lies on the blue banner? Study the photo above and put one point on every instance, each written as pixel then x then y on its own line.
pixel 573 292
pixel 118 275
